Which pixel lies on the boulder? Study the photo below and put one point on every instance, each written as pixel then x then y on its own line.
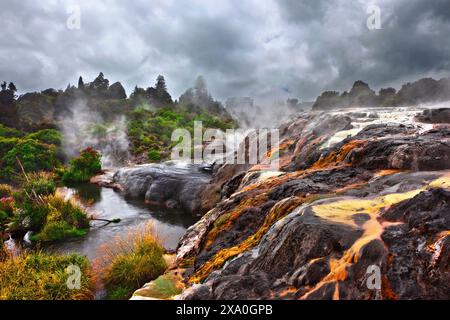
pixel 167 184
pixel 419 248
pixel 441 115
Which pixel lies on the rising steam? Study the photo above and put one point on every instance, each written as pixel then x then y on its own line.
pixel 86 128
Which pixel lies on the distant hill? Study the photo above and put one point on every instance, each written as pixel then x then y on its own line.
pixel 425 90
pixel 41 110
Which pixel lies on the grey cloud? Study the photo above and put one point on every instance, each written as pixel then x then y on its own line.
pixel 271 50
pixel 302 11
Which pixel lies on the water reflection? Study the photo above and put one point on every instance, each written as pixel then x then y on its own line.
pixel 107 204
pixel 86 192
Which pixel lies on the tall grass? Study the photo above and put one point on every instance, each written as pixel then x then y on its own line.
pixel 43 276
pixel 129 261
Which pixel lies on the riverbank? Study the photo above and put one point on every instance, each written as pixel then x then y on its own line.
pixel 106 204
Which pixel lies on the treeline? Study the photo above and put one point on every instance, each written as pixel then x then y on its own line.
pixel 41 110
pixel 426 90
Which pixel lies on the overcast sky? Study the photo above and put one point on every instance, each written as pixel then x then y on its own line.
pixel 268 49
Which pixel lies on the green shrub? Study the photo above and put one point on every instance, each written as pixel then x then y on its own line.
pixel 63 219
pixel 130 261
pixel 119 293
pixel 32 213
pixel 40 182
pixel 34 156
pixel 42 276
pixel 68 211
pixel 151 131
pixel 154 155
pixel 57 230
pixel 48 136
pixel 48 214
pixel 7 209
pixel 3 219
pixel 7 206
pixel 7 144
pixel 10 132
pixel 83 167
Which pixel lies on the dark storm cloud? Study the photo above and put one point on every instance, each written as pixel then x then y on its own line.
pixel 268 49
pixel 412 42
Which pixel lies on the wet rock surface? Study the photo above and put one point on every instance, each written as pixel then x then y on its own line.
pixel 168 184
pixel 441 115
pixel 419 247
pixel 354 212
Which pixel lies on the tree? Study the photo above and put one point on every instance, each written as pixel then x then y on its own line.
pixel 386 92
pixel 8 94
pixel 160 84
pixel 187 97
pixel 199 98
pixel 50 92
pixel 388 97
pixel 80 83
pixel 200 88
pixel 12 87
pixel 328 100
pixel 159 95
pixel 138 93
pixel 100 83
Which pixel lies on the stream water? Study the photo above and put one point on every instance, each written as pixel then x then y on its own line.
pixel 105 203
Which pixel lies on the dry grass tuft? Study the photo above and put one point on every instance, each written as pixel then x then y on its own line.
pixel 129 261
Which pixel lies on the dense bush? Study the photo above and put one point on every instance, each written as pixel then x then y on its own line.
pixel 83 167
pixel 6 212
pixel 48 136
pixel 41 276
pixel 130 261
pixel 150 131
pixel 28 216
pixel 37 151
pixel 154 156
pixel 7 144
pixel 49 215
pixel 52 219
pixel 57 230
pixel 63 219
pixel 42 183
pixel 31 211
pixel 34 156
pixel 7 132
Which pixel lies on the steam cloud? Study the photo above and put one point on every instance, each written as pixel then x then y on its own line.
pixel 86 128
